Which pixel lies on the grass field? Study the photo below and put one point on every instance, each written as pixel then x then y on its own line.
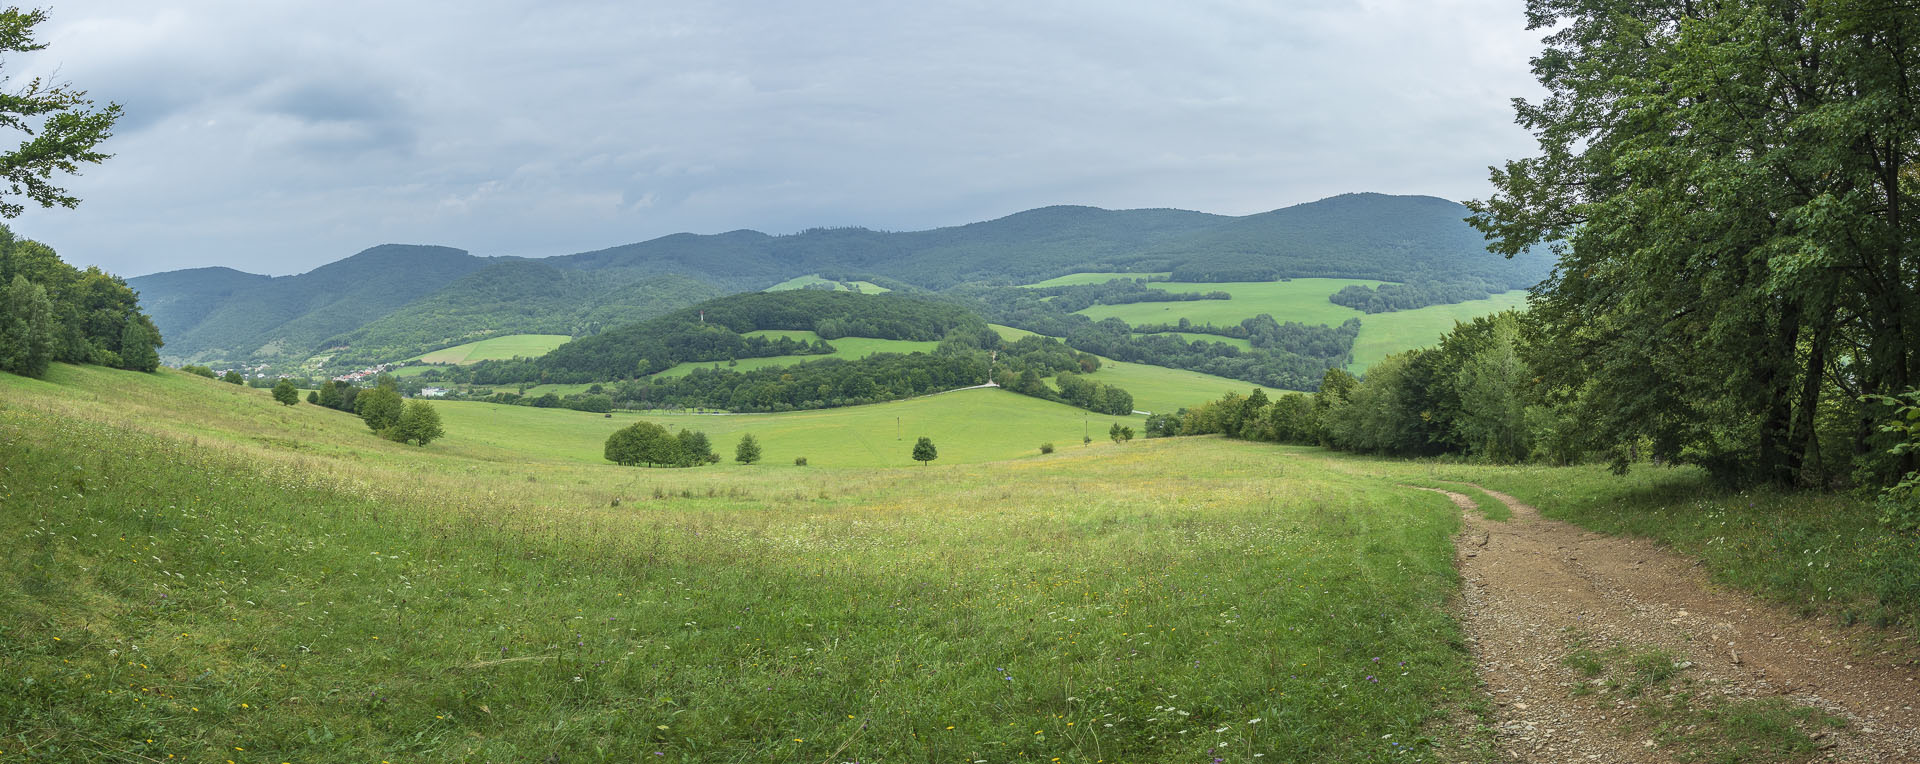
pixel 801 282
pixel 1073 279
pixel 967 426
pixel 1159 389
pixel 848 348
pixel 1382 334
pixel 1301 300
pixel 497 348
pixel 200 573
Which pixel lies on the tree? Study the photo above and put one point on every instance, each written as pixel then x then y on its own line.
pixel 419 424
pixel 198 371
pixel 138 341
pixel 233 377
pixel 1730 189
pixel 285 392
pixel 695 449
pixel 1114 432
pixel 67 137
pixel 313 397
pixel 748 451
pixel 924 452
pixel 380 408
pixel 28 334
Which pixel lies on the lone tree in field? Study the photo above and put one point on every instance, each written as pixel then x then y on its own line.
pixel 419 424
pixel 285 392
pixel 1120 434
pixel 748 451
pixel 923 451
pixel 233 377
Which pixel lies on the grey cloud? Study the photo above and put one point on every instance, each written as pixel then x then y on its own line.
pixel 276 137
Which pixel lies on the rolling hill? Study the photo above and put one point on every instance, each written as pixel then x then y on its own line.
pixel 395 301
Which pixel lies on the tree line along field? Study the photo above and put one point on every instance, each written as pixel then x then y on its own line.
pixel 300 590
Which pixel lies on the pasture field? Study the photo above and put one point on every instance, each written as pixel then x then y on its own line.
pixel 847 348
pixel 801 282
pixel 1382 334
pixel 1162 390
pixel 1073 279
pixel 1300 300
pixel 497 348
pixel 203 574
pixel 966 426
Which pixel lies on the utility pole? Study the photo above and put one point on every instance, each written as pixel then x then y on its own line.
pixel 896 428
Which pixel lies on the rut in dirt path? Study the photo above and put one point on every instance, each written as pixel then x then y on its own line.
pixel 1537 591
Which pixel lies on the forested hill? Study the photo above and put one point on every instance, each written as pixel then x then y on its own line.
pixel 392 301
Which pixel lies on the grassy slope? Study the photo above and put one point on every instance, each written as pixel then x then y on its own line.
pixel 848 348
pixel 509 346
pixel 1385 333
pixel 301 591
pixel 1301 300
pixel 1160 389
pixel 801 282
pixel 1200 337
pixel 1072 279
pixel 966 426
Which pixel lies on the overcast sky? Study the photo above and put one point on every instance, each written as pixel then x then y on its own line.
pixel 274 137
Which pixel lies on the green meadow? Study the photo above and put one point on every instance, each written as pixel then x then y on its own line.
pixel 966 425
pixel 1161 390
pixel 200 573
pixel 1300 300
pixel 1074 279
pixel 802 282
pixel 1382 334
pixel 497 348
pixel 848 348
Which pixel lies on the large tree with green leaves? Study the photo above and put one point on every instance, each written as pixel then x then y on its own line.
pixel 1732 190
pixel 68 132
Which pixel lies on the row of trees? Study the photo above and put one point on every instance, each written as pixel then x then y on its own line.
pixel 1410 295
pixel 1289 355
pixel 1733 189
pixel 51 311
pixel 650 444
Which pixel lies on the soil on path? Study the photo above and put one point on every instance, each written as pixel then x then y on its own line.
pixel 1537 589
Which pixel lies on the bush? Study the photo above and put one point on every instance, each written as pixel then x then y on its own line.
pixel 199 371
pixel 1046 448
pixel 799 461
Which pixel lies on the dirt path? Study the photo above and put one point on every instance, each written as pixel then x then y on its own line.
pixel 1538 591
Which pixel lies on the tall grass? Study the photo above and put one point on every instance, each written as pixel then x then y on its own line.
pixel 202 574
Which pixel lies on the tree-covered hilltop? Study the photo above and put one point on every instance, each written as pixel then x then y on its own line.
pixel 712 331
pixel 51 311
pixel 431 295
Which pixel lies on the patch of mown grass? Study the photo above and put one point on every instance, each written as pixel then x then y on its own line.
pixel 1687 718
pixel 184 588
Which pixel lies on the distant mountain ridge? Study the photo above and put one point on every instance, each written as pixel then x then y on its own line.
pixel 395 300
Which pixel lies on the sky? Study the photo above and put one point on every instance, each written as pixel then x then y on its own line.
pixel 275 136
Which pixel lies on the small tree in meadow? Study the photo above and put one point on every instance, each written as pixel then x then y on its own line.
pixel 748 451
pixel 380 408
pixel 1046 448
pixel 419 424
pixel 924 452
pixel 285 392
pixel 234 378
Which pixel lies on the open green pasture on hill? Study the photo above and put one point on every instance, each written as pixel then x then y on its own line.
pixel 1073 279
pixel 802 282
pixel 1300 300
pixel 966 426
pixel 509 346
pixel 1382 334
pixel 1202 337
pixel 848 348
pixel 200 573
pixel 1162 390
